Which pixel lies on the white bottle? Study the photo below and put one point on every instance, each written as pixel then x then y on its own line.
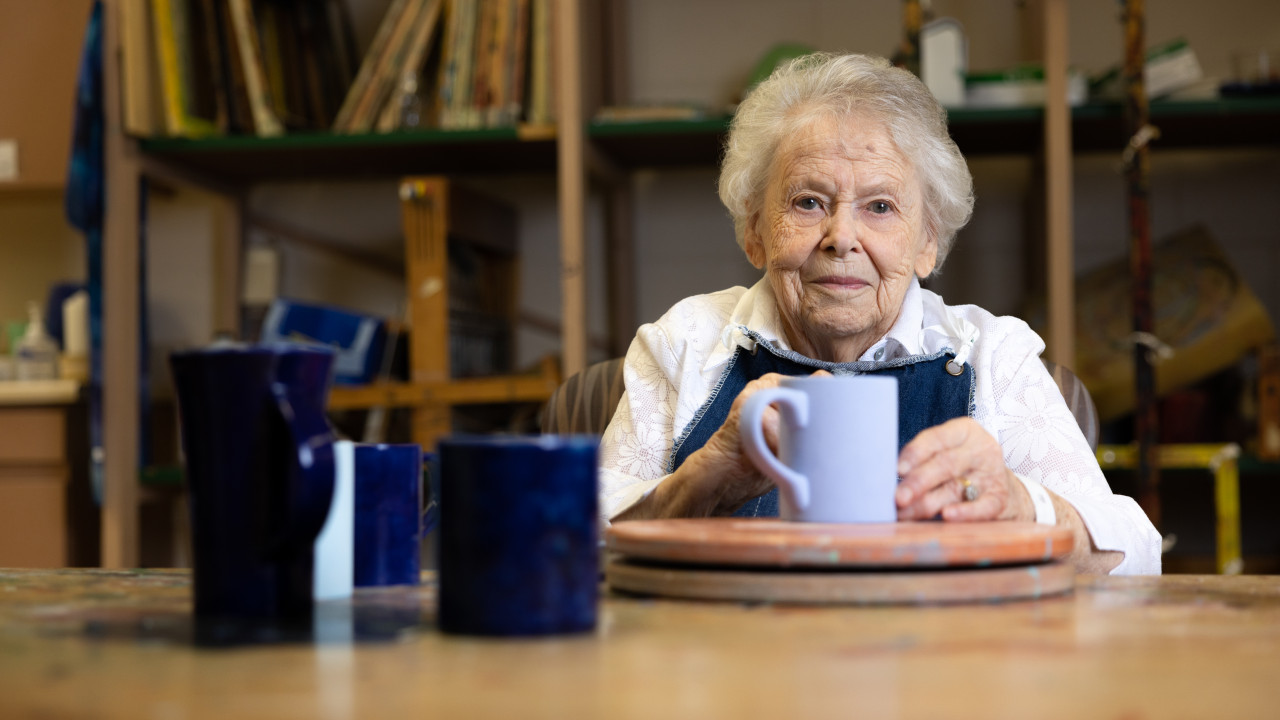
pixel 37 353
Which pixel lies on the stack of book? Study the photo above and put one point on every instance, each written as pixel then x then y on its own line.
pixel 453 64
pixel 196 68
pixel 199 68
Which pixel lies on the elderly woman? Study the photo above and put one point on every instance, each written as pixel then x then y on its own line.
pixel 846 190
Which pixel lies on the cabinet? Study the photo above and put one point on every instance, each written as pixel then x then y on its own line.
pixel 34 474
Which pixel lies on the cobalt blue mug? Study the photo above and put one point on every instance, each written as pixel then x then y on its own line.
pixel 519 527
pixel 388 514
pixel 260 472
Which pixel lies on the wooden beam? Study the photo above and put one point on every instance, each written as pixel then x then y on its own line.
pixel 467 391
pixel 1060 264
pixel 120 415
pixel 571 179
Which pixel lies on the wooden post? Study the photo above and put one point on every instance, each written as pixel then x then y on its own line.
pixel 620 263
pixel 424 206
pixel 909 50
pixel 621 266
pixel 1060 266
pixel 572 184
pixel 228 258
pixel 1137 172
pixel 120 416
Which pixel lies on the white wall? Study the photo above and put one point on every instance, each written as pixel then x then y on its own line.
pixel 37 249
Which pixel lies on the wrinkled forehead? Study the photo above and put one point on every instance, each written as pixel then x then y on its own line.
pixel 828 138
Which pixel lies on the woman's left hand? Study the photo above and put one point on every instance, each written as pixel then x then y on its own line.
pixel 938 464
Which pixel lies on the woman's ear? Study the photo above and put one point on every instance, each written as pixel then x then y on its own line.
pixel 753 243
pixel 927 258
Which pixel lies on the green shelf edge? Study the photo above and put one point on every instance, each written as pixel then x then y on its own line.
pixel 327 141
pixel 710 125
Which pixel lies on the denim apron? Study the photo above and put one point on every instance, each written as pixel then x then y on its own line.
pixel 930 392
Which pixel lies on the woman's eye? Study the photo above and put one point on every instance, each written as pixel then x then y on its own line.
pixel 879 207
pixel 808 203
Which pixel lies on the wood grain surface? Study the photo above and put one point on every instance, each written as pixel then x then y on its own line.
pixel 97 644
pixel 770 542
pixel 843 587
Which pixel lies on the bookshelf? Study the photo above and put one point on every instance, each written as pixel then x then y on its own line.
pixel 226 166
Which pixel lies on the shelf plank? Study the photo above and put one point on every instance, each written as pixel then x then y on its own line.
pixel 467 391
pixel 1096 127
pixel 246 159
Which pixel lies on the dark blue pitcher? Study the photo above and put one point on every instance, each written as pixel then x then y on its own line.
pixel 260 469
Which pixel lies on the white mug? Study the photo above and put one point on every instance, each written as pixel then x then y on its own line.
pixel 837 456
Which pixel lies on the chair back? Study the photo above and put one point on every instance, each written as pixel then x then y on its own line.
pixel 585 402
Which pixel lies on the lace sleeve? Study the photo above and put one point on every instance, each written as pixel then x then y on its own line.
pixel 1043 442
pixel 633 451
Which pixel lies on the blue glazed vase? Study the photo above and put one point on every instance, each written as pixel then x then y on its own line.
pixel 260 471
pixel 519 530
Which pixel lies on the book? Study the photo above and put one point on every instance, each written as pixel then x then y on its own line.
pixel 172 47
pixel 418 50
pixel 486 21
pixel 240 114
pixel 499 69
pixel 387 74
pixel 461 111
pixel 213 47
pixel 447 83
pixel 1168 67
pixel 517 64
pixel 368 65
pixel 265 122
pixel 541 102
pixel 269 33
pixel 138 79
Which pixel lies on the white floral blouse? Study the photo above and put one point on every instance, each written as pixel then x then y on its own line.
pixel 673 365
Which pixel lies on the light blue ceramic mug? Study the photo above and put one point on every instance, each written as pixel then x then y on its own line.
pixel 837 447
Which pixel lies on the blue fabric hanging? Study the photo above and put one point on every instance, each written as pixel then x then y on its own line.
pixel 83 202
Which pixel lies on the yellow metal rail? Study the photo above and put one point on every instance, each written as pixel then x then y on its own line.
pixel 1221 460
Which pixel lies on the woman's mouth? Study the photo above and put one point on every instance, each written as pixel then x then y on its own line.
pixel 841 282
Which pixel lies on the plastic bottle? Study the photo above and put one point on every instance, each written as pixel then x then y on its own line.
pixel 37 353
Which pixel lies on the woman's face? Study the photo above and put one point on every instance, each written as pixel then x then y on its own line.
pixel 839 233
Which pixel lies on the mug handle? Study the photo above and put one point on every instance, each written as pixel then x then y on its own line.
pixel 311 470
pixel 794 406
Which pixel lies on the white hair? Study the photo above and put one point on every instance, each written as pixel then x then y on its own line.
pixel 841 86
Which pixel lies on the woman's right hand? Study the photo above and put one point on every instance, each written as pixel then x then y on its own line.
pixel 724 462
pixel 717 478
pixel 722 465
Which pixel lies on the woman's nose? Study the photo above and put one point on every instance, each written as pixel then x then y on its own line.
pixel 840 235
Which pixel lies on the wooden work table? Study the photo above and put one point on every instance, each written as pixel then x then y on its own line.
pixel 107 644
